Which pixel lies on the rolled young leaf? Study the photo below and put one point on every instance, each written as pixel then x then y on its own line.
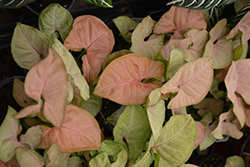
pixel 122 80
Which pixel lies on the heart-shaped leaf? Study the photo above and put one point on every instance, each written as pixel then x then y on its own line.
pixel 55 19
pixel 72 69
pixel 209 125
pixel 146 160
pixel 9 130
pixel 91 33
pixel 54 156
pixel 125 25
pixel 199 39
pixel 79 132
pixel 237 82
pixel 214 90
pixel 133 126
pixel 177 59
pixel 176 142
pixel 156 112
pixel 75 161
pixel 179 20
pixel 19 94
pixel 47 80
pixel 29 158
pixel 121 159
pixel 32 138
pixel 125 80
pixel 220 49
pixel 192 82
pixel 100 160
pixel 242 26
pixel 210 105
pixel 226 127
pixel 29 46
pixel 146 47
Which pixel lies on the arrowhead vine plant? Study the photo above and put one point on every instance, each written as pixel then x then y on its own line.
pixel 201 72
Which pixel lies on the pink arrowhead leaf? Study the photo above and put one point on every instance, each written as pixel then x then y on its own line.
pixel 242 26
pixel 199 39
pixel 182 44
pixel 150 47
pixel 90 33
pixel 226 127
pixel 209 105
pixel 47 80
pixel 124 80
pixel 220 49
pixel 79 132
pixel 192 82
pixel 200 135
pixel 9 130
pixel 19 94
pixel 179 20
pixel 237 83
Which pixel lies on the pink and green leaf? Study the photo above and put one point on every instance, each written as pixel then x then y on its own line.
pixel 147 48
pixel 29 46
pixel 125 25
pixel 179 20
pixel 226 127
pixel 133 126
pixel 11 163
pixel 126 80
pixel 218 48
pixel 29 158
pixel 235 160
pixel 9 130
pixel 79 132
pixel 47 81
pixel 237 83
pixel 243 27
pixel 177 60
pixel 72 69
pixel 19 94
pixel 192 83
pixel 210 105
pixel 200 134
pixel 91 33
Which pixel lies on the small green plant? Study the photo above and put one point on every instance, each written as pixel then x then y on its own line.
pixel 60 100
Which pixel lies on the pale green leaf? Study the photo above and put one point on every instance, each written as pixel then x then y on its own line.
pixel 100 160
pixel 156 112
pixel 235 161
pixel 29 158
pixel 93 104
pixel 54 156
pixel 125 25
pixel 29 46
pixel 70 89
pixel 121 159
pixel 146 47
pixel 32 138
pixel 214 90
pixel 72 69
pixel 209 139
pixel 176 142
pixel 146 160
pixel 9 130
pixel 55 19
pixel 177 59
pixel 112 119
pixel 133 126
pixel 75 162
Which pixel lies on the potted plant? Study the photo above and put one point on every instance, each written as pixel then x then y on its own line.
pixel 186 68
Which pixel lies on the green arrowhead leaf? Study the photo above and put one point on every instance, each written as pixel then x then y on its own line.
pixel 9 130
pixel 133 126
pixel 55 19
pixel 176 142
pixel 75 162
pixel 235 161
pixel 100 160
pixel 29 46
